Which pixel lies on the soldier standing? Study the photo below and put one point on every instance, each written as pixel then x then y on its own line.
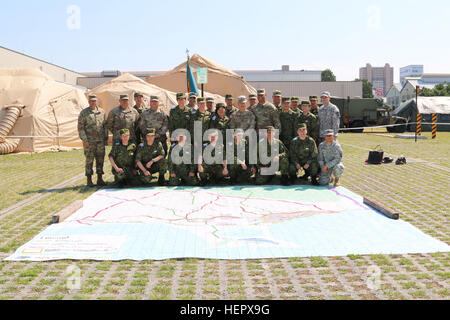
pixel 253 101
pixel 93 133
pixel 314 105
pixel 220 121
pixel 294 105
pixel 303 155
pixel 150 158
pixel 122 117
pixel 230 109
pixel 329 116
pixel 192 101
pixel 310 120
pixel 265 113
pixel 242 119
pixel 276 98
pixel 121 158
pixel 140 108
pixel 180 116
pixel 210 105
pixel 287 120
pixel 330 159
pixel 180 172
pixel 202 115
pixel 154 118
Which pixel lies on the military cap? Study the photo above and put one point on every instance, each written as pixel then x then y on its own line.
pixel 313 98
pixel 92 97
pixel 295 99
pixel 201 99
pixel 328 132
pixel 305 102
pixel 220 105
pixel 181 95
pixel 325 94
pixel 192 95
pixel 242 99
pixel 150 132
pixel 138 94
pixel 154 98
pixel 277 93
pixel 124 97
pixel 285 99
pixel 124 131
pixel 301 126
pixel 209 99
pixel 261 91
pixel 229 96
pixel 252 96
pixel 270 128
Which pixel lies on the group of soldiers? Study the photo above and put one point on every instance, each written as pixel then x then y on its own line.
pixel 307 147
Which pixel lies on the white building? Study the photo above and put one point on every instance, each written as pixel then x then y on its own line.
pixel 394 96
pixel 413 70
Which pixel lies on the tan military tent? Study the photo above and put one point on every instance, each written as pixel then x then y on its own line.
pixel 221 80
pixel 50 109
pixel 109 93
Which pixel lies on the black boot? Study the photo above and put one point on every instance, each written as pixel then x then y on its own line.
pixel 90 184
pixel 314 181
pixel 100 181
pixel 293 179
pixel 161 181
pixel 285 180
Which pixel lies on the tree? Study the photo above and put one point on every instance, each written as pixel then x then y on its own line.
pixel 367 88
pixel 439 90
pixel 328 76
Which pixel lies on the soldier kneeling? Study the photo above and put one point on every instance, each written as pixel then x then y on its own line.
pixel 150 158
pixel 240 170
pixel 303 155
pixel 330 159
pixel 181 167
pixel 214 169
pixel 121 158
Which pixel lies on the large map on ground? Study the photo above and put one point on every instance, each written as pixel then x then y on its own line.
pixel 225 223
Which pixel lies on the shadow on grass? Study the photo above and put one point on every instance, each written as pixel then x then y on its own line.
pixel 80 189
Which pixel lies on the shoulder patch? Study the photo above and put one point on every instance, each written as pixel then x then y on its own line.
pixel 117 143
pixel 141 145
pixel 296 138
pixel 214 117
pixel 205 144
pixel 174 108
pixel 173 145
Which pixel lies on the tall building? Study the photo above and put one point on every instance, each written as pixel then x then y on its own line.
pixel 413 70
pixel 382 78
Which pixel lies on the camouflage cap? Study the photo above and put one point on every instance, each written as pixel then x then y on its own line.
pixel 295 99
pixel 270 128
pixel 328 132
pixel 124 97
pixel 242 99
pixel 277 93
pixel 201 99
pixel 229 96
pixel 154 98
pixel 209 99
pixel 192 95
pixel 150 132
pixel 286 99
pixel 124 131
pixel 138 94
pixel 305 102
pixel 252 96
pixel 313 98
pixel 92 97
pixel 181 95
pixel 220 105
pixel 325 94
pixel 301 126
pixel 261 91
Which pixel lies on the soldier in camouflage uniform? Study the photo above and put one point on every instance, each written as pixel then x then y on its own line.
pixel 192 101
pixel 220 121
pixel 93 133
pixel 312 124
pixel 329 116
pixel 303 155
pixel 122 117
pixel 330 159
pixel 253 101
pixel 210 105
pixel 121 158
pixel 202 115
pixel 314 105
pixel 154 118
pixel 282 159
pixel 230 108
pixel 180 117
pixel 140 108
pixel 150 158
pixel 242 119
pixel 217 171
pixel 240 170
pixel 265 113
pixel 287 120
pixel 276 99
pixel 182 173
pixel 294 105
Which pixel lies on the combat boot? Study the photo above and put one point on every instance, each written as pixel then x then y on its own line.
pixel 314 181
pixel 100 181
pixel 293 180
pixel 161 181
pixel 90 184
pixel 285 180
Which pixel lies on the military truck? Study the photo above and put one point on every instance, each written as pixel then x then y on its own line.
pixel 367 112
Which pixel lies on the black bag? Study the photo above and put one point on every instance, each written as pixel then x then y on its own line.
pixel 376 156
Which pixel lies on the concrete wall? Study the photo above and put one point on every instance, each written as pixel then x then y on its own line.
pixel 12 59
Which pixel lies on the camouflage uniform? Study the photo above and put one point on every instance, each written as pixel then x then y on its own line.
pixel 229 112
pixel 287 132
pixel 182 170
pixel 278 106
pixel 180 119
pixel 213 172
pixel 330 155
pixel 283 160
pixel 204 117
pixel 221 124
pixel 91 128
pixel 315 112
pixel 122 119
pixel 312 124
pixel 237 173
pixel 157 120
pixel 242 120
pixel 145 154
pixel 124 158
pixel 329 118
pixel 266 115
pixel 303 152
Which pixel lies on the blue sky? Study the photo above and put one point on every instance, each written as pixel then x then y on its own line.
pixel 153 35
